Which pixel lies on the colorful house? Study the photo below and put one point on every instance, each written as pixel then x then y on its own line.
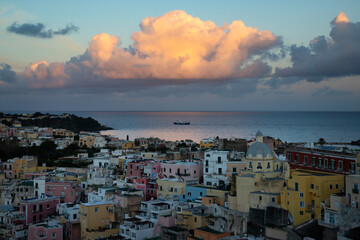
pixel 305 192
pixel 97 220
pixel 46 230
pixel 37 209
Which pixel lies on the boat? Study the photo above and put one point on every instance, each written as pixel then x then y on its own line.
pixel 182 122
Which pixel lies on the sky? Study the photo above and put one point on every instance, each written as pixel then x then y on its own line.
pixel 180 55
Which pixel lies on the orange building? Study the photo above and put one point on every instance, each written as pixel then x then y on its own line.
pixel 207 233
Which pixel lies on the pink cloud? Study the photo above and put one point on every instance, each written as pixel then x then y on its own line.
pixel 174 46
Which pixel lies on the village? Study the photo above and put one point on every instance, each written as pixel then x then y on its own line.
pixel 151 188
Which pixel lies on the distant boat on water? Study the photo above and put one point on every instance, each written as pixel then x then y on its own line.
pixel 181 122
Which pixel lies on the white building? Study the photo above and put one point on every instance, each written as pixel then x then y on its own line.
pixel 136 229
pixel 101 162
pixel 39 187
pixel 215 166
pixel 99 142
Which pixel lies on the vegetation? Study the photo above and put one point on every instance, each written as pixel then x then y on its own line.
pixel 70 122
pixel 46 153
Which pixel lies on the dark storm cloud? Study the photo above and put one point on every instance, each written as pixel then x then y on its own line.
pixel 336 56
pixel 39 30
pixel 6 74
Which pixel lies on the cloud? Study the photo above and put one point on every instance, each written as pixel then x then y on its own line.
pixel 327 91
pixel 172 49
pixel 338 55
pixel 39 30
pixel 6 74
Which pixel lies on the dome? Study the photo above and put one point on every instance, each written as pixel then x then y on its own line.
pixel 259 134
pixel 259 150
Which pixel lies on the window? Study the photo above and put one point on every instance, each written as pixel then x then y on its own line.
pixel 169 170
pixel 296 186
pixel 219 160
pixel 289 157
pixel 301 194
pixel 260 198
pixel 250 165
pixel 234 169
pixel 96 209
pixel 268 165
pixel 206 170
pixel 200 193
pixel 340 166
pixel 320 163
pixel 325 163
pixel 332 218
pixel 194 171
pixel 313 161
pixel 330 186
pixel 302 204
pixel 195 219
pixel 208 183
pixel 312 186
pixel 220 170
pixel 337 186
pixel 301 213
pixel 297 158
pixel 273 199
pixel 306 160
pixel 160 188
pixel 352 167
pixel 259 165
pixel 332 164
pixel 164 169
pixel 207 163
pixel 209 200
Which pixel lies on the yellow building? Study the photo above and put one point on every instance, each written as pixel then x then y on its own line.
pixel 262 181
pixel 173 188
pixel 207 143
pixel 128 145
pixel 21 165
pixel 64 133
pixel 97 219
pixel 306 190
pixel 85 140
pixel 193 218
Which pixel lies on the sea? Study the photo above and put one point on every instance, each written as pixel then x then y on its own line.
pixel 287 126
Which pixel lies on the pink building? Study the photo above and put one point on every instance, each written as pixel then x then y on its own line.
pixel 37 209
pixel 32 175
pixel 46 230
pixel 148 186
pixel 155 170
pixel 136 168
pixel 69 192
pixel 182 169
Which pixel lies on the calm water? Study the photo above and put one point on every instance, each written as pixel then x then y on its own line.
pixel 288 126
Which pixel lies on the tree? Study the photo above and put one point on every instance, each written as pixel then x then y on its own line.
pixel 321 141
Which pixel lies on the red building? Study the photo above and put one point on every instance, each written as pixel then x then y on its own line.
pixel 321 160
pixel 37 209
pixel 136 168
pixel 149 187
pixel 69 192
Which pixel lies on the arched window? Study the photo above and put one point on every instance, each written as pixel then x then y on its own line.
pixel 259 165
pixel 268 165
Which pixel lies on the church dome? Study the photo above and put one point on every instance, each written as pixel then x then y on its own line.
pixel 259 150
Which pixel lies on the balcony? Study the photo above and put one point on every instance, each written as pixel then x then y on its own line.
pixel 355 190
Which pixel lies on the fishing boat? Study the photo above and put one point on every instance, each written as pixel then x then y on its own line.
pixel 182 122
